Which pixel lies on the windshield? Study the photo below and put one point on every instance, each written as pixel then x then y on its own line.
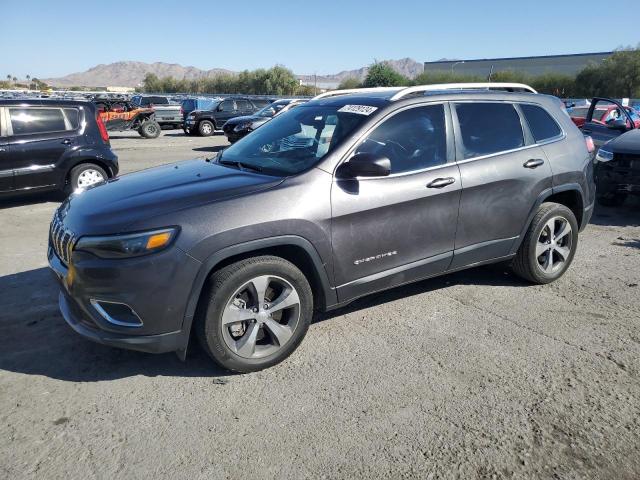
pixel 271 109
pixel 294 141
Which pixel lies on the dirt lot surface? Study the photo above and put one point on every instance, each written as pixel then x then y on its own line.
pixel 472 375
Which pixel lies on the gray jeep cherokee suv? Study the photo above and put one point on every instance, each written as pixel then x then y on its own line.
pixel 349 194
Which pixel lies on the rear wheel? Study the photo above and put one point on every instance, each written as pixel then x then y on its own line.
pixel 255 313
pixel 205 128
pixel 549 245
pixel 83 176
pixel 149 129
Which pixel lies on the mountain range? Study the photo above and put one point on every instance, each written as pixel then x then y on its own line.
pixel 131 74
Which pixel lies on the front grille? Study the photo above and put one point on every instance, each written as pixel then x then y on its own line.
pixel 62 241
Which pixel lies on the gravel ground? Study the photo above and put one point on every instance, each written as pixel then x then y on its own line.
pixel 471 375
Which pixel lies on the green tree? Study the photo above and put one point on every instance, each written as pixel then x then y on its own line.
pixel 382 75
pixel 349 83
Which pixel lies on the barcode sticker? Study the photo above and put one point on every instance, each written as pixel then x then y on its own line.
pixel 359 109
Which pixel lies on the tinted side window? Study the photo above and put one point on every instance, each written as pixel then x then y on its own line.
pixel 488 128
pixel 243 105
pixel 36 120
pixel 227 106
pixel 413 139
pixel 542 125
pixel 73 117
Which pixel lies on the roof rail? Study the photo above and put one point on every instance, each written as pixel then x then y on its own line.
pixel 332 93
pixel 518 87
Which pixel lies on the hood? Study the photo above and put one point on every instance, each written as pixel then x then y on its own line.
pixel 627 143
pixel 246 118
pixel 114 206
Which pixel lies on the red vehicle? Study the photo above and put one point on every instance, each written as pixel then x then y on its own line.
pixel 601 115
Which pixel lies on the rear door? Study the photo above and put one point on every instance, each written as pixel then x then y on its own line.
pixel 245 107
pixel 603 129
pixel 39 139
pixel 6 164
pixel 503 171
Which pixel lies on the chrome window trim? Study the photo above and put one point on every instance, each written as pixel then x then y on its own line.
pixel 505 152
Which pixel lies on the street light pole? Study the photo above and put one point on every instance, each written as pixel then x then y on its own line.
pixel 454 64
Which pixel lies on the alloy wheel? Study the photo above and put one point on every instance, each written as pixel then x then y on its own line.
pixel 261 317
pixel 554 245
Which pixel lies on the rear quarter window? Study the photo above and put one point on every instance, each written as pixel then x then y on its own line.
pixel 541 123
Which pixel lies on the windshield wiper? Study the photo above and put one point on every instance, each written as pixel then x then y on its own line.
pixel 239 165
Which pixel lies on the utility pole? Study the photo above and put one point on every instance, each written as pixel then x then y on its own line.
pixel 454 64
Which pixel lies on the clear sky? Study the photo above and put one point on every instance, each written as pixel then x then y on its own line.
pixel 323 36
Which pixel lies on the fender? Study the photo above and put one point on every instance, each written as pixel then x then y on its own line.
pixel 209 264
pixel 541 198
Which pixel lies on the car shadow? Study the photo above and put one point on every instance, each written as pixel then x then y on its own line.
pixel 497 274
pixel 26 199
pixel 212 149
pixel 35 340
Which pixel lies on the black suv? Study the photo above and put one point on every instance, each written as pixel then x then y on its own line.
pixel 52 144
pixel 238 127
pixel 205 122
pixel 341 197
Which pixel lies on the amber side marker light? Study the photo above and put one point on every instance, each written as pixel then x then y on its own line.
pixel 158 240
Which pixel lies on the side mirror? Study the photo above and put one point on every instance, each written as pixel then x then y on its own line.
pixel 618 124
pixel 366 165
pixel 219 109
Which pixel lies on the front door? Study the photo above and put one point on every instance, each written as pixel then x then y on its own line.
pixel 503 172
pixel 392 230
pixel 226 110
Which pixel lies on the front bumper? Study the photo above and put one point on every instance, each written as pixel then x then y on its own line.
pixel 156 287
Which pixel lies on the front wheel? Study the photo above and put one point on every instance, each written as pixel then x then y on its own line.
pixel 205 128
pixel 549 245
pixel 149 129
pixel 254 313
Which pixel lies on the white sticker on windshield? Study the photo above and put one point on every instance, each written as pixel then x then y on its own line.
pixel 359 109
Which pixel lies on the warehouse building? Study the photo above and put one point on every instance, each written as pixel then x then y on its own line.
pixel 563 64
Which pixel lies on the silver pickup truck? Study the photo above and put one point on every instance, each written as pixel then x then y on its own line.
pixel 167 113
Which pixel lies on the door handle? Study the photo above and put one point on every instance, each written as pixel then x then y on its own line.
pixel 533 163
pixel 441 182
pixel 67 141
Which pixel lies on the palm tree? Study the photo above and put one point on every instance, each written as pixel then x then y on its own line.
pixel 29 81
pixel 8 76
pixel 15 79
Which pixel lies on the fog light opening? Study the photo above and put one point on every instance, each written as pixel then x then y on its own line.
pixel 116 313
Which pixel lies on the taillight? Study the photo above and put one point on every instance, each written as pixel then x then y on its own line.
pixel 102 129
pixel 590 145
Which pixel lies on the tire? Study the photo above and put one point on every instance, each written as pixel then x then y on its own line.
pixel 206 128
pixel 611 199
pixel 555 258
pixel 82 175
pixel 231 294
pixel 149 129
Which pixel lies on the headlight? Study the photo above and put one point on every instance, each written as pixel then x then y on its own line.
pixel 129 245
pixel 604 155
pixel 243 126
